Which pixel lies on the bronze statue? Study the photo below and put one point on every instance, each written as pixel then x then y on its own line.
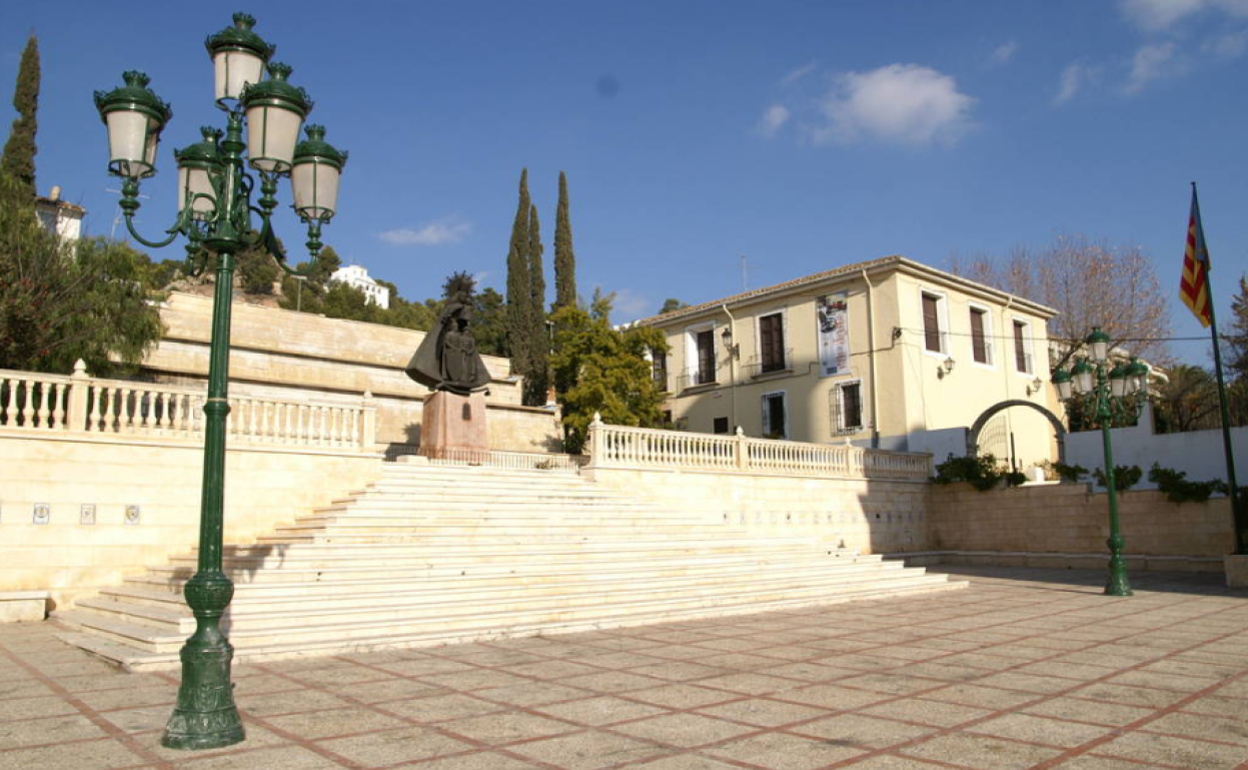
pixel 447 359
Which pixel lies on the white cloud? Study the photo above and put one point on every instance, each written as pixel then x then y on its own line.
pixel 445 230
pixel 629 306
pixel 1073 77
pixel 774 117
pixel 1230 45
pixel 1004 52
pixel 1155 15
pixel 1150 63
pixel 798 74
pixel 899 103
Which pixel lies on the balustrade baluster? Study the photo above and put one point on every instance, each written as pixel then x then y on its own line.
pixel 44 394
pixel 28 409
pixel 58 406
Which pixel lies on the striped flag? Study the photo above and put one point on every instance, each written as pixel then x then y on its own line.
pixel 1194 287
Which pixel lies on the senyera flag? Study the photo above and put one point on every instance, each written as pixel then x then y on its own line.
pixel 1194 286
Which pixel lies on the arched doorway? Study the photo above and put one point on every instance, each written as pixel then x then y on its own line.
pixel 972 438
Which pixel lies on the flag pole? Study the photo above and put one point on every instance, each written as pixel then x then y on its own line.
pixel 1237 509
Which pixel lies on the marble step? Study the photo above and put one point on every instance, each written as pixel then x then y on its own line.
pixel 459 622
pixel 332 588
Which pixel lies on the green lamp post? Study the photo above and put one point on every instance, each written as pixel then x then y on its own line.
pixel 1116 394
pixel 215 214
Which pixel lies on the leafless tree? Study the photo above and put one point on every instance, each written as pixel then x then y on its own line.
pixel 1088 283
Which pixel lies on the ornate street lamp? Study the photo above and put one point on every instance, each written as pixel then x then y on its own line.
pixel 215 213
pixel 1117 392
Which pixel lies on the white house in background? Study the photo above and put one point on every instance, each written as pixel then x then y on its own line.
pixel 357 276
pixel 58 216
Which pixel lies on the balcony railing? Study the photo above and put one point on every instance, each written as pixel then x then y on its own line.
pixel 625 447
pixel 50 403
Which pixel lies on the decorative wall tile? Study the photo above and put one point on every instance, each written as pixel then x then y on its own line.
pixel 132 514
pixel 42 513
pixel 86 514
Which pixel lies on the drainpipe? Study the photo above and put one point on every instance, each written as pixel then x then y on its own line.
pixel 875 401
pixel 1005 364
pixel 732 365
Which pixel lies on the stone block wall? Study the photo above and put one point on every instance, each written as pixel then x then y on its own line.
pixel 863 515
pixel 1067 520
pixel 73 557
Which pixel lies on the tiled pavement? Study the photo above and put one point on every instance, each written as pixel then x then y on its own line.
pixel 1026 669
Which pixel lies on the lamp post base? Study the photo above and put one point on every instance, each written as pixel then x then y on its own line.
pixel 1118 584
pixel 205 717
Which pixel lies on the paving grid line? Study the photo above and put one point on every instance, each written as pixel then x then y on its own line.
pixel 669 644
pixel 943 684
pixel 756 731
pixel 111 730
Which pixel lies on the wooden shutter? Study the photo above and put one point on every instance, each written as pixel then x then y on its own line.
pixel 931 322
pixel 706 357
pixel 771 342
pixel 1020 350
pixel 852 411
pixel 978 349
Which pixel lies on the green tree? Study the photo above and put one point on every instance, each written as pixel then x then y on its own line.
pixel 599 369
pixel 63 301
pixel 601 305
pixel 519 285
pixel 565 257
pixel 537 377
pixel 343 300
pixel 489 322
pixel 257 270
pixel 18 160
pixel 671 305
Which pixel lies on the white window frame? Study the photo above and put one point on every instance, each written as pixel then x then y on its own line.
pixel 784 397
pixel 942 321
pixel 842 429
pixel 691 354
pixel 989 336
pixel 1028 346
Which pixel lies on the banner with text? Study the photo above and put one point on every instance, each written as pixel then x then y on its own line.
pixel 833 314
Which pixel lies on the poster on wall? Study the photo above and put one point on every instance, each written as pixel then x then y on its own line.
pixel 832 312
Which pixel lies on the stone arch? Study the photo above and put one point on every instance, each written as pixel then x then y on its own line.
pixel 972 437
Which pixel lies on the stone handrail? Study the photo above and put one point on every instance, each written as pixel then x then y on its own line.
pixel 50 403
pixel 495 458
pixel 618 446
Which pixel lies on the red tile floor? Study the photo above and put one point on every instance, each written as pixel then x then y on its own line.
pixel 1025 669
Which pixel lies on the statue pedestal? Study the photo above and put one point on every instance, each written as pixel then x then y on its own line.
pixel 453 428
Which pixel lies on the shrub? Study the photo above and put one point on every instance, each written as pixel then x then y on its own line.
pixel 980 472
pixel 1071 473
pixel 1125 477
pixel 1179 490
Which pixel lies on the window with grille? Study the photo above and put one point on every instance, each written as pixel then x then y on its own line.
pixel 771 342
pixel 845 401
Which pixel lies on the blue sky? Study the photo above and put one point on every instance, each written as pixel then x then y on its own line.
pixel 801 135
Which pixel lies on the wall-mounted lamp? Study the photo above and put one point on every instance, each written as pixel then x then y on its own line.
pixel 732 349
pixel 1034 386
pixel 945 368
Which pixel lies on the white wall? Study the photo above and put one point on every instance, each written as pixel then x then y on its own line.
pixel 1197 452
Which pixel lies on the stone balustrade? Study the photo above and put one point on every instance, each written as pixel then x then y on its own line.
pixel 617 446
pixel 80 403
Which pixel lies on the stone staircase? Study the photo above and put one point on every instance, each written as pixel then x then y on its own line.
pixel 439 554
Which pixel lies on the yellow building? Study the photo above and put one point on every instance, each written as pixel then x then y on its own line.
pixel 888 353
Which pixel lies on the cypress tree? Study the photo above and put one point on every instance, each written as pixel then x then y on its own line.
pixel 519 290
pixel 18 160
pixel 537 377
pixel 565 258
